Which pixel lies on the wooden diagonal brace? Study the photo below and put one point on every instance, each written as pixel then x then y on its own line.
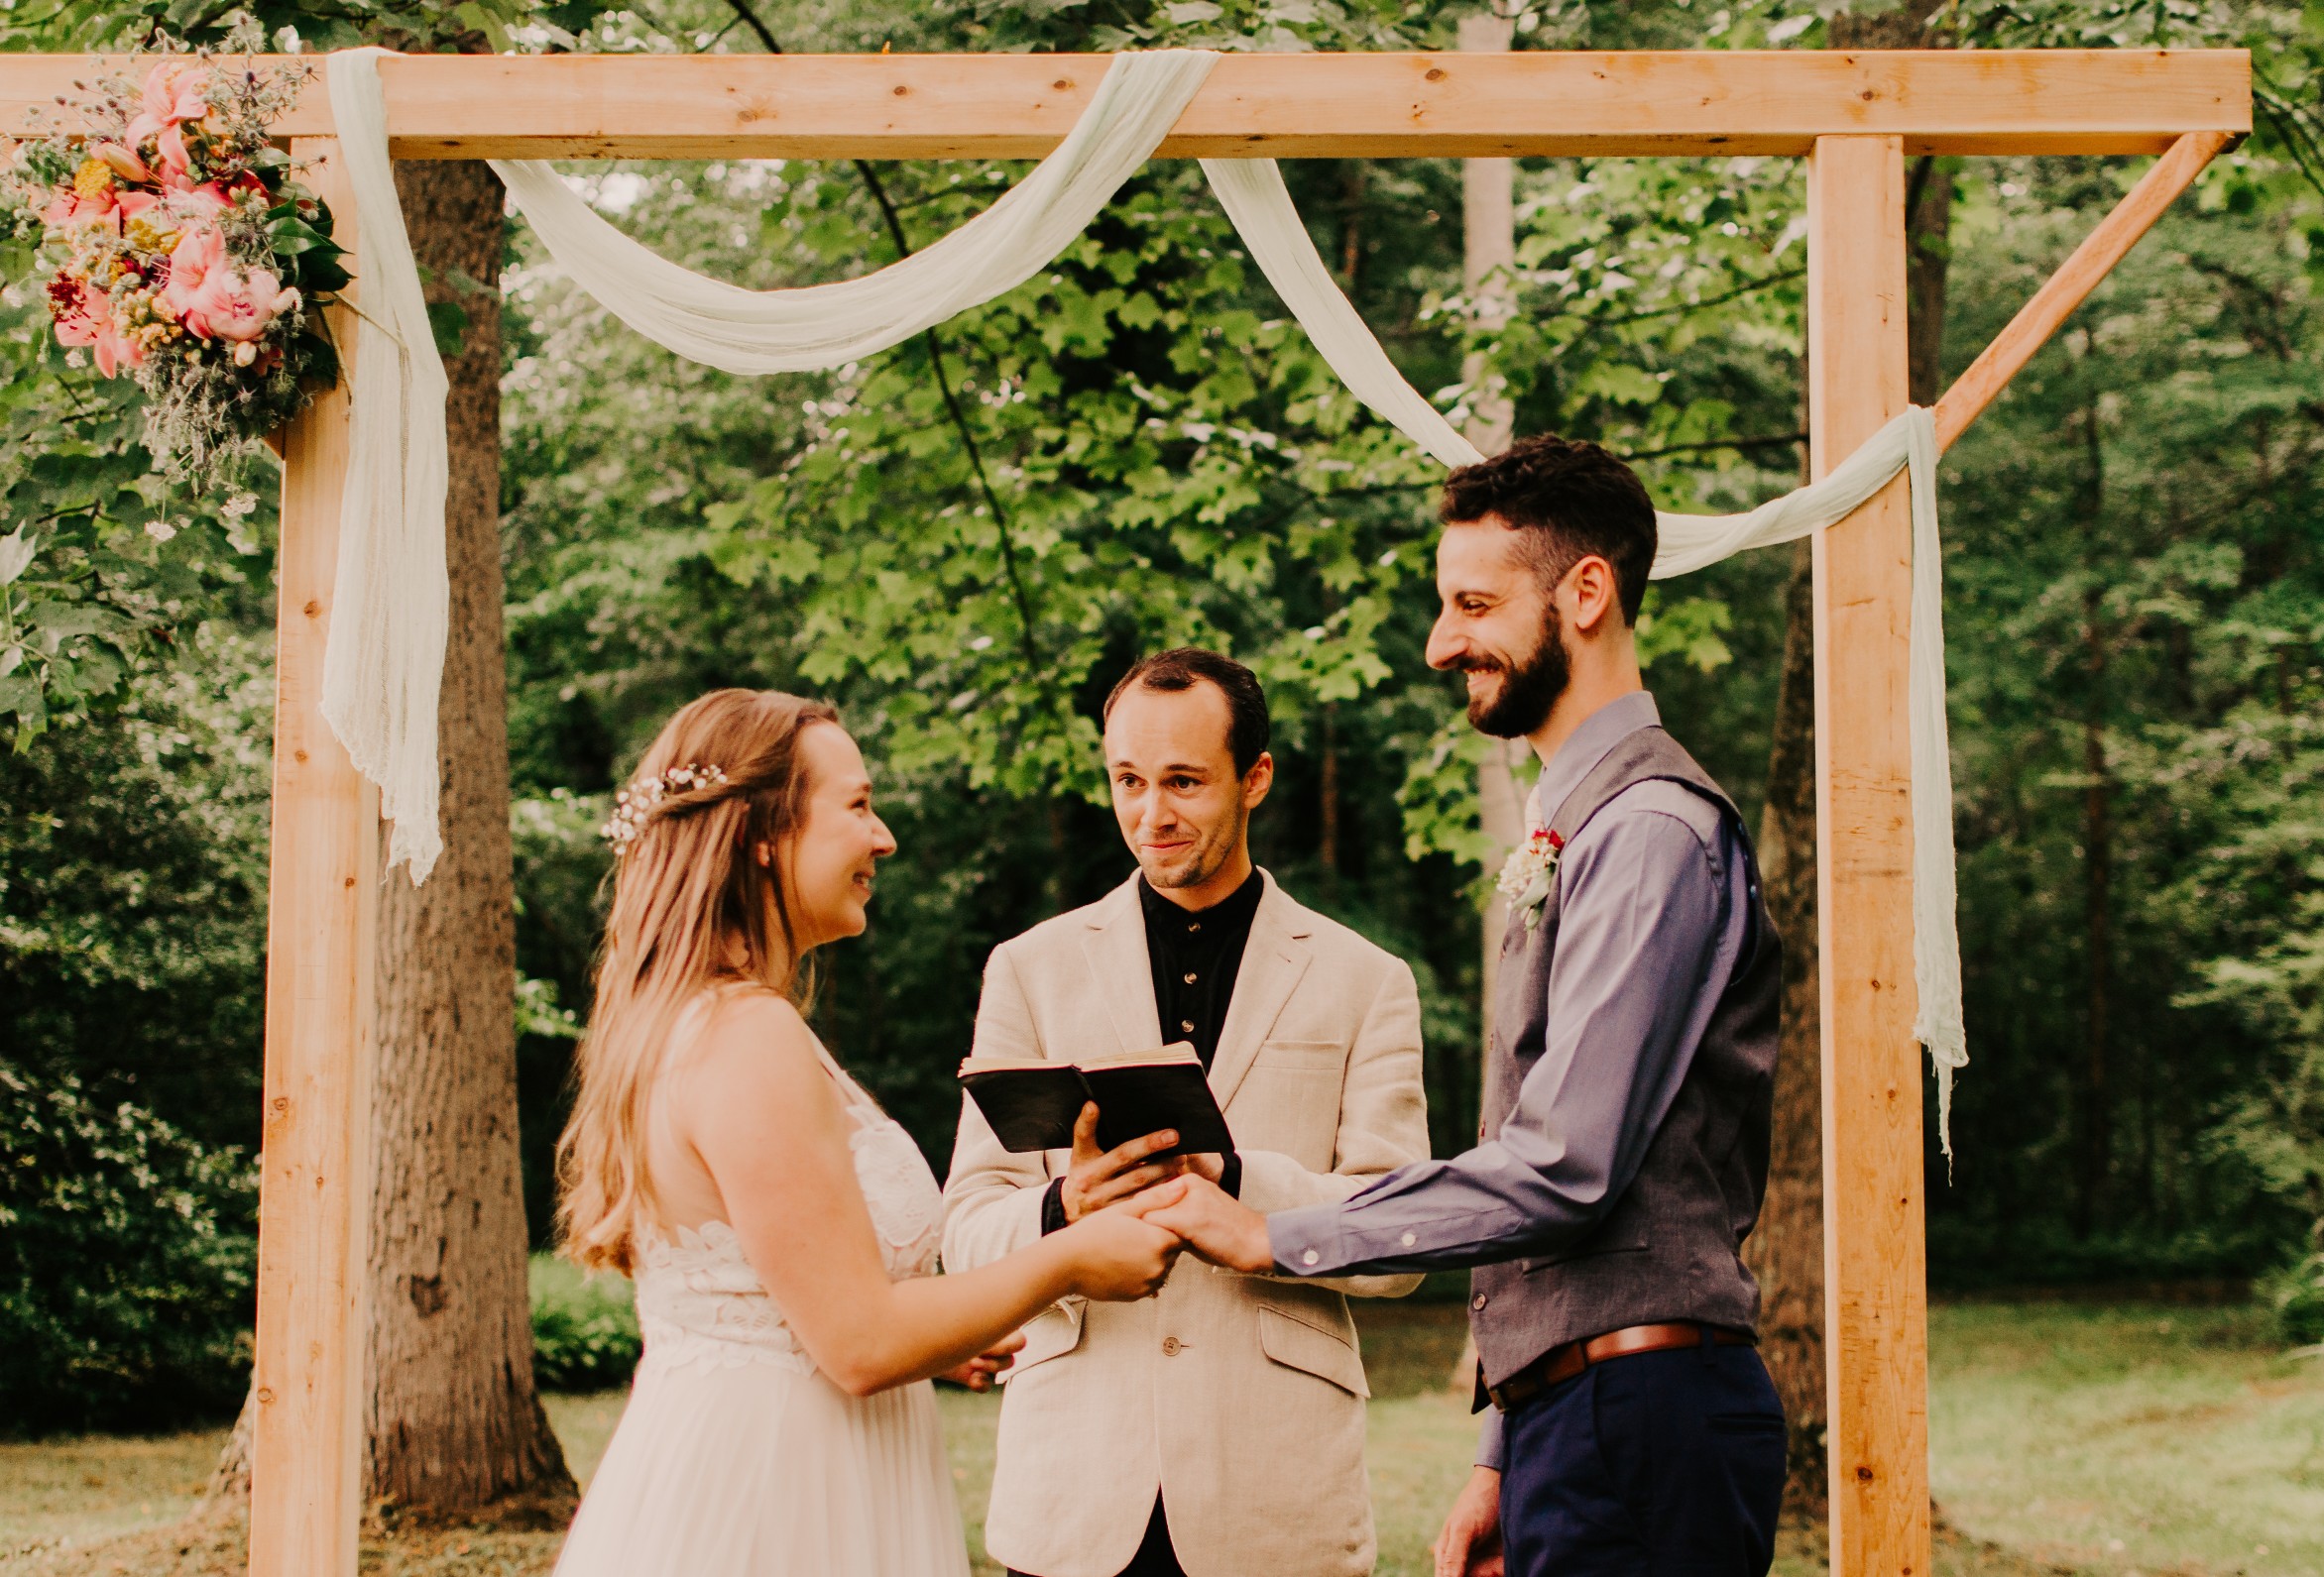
pixel 2072 283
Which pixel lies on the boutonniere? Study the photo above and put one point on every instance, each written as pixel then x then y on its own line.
pixel 1526 876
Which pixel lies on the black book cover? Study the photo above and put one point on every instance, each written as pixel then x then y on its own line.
pixel 1032 1105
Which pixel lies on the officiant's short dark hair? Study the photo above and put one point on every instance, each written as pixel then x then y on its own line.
pixel 1181 669
pixel 1567 498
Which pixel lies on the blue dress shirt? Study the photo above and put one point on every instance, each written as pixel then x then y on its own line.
pixel 1655 916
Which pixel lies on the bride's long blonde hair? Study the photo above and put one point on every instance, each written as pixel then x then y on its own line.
pixel 692 909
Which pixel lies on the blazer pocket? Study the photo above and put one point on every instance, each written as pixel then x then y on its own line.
pixel 1052 1333
pixel 1320 1057
pixel 1295 1344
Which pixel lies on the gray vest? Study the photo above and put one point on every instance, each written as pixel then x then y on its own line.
pixel 1670 1247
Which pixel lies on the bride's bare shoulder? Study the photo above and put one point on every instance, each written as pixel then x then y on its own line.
pixel 753 1052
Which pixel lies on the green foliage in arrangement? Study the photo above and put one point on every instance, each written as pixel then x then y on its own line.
pixel 584 1328
pixel 125 1265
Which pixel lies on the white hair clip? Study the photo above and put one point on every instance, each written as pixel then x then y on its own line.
pixel 632 805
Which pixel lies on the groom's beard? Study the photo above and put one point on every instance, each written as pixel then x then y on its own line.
pixel 1529 687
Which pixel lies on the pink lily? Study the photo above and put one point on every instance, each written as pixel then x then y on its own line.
pixel 68 209
pixel 84 317
pixel 174 92
pixel 199 253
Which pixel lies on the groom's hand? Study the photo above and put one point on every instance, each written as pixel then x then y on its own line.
pixel 980 1372
pixel 1218 1227
pixel 1097 1178
pixel 1470 1543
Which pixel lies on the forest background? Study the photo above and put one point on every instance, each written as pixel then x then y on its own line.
pixel 961 542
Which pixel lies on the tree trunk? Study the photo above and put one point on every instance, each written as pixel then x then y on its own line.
pixel 452 1421
pixel 1786 1251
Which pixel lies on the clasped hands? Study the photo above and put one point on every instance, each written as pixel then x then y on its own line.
pixel 1179 1193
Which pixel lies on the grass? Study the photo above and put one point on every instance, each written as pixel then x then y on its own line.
pixel 2069 1440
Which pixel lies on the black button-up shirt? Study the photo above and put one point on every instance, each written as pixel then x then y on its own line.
pixel 1194 955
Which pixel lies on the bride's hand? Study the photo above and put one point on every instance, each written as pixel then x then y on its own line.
pixel 1117 1258
pixel 980 1372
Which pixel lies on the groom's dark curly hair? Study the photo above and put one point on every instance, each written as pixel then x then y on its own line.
pixel 1567 498
pixel 1184 667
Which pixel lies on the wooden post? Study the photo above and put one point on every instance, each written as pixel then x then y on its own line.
pixel 307 1446
pixel 1875 1256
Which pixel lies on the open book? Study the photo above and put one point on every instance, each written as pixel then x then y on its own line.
pixel 1032 1102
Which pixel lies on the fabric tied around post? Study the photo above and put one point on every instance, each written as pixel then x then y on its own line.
pixel 390 598
pixel 388 632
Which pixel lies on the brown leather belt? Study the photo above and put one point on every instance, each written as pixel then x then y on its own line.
pixel 1562 1363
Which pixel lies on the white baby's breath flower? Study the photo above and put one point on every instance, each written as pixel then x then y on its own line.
pixel 239 505
pixel 159 530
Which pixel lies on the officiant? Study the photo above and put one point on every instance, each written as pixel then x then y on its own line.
pixel 1216 1429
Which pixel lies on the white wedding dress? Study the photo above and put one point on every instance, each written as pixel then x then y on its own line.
pixel 736 1457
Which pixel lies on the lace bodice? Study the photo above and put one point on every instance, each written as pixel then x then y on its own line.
pixel 699 1302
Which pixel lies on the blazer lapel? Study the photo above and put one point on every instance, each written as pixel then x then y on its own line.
pixel 1273 961
pixel 1119 971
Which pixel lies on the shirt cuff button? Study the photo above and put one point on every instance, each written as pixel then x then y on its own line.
pixel 1410 1238
pixel 1310 1257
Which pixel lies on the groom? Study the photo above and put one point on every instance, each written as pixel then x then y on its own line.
pixel 1218 1428
pixel 1633 1429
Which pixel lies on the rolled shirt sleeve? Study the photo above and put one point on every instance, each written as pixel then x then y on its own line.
pixel 1651 926
pixel 1491 1442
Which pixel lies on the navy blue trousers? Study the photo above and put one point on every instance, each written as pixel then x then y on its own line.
pixel 1666 1464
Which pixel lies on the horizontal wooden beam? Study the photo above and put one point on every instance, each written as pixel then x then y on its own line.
pixel 1314 106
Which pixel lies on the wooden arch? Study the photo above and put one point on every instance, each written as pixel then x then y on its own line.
pixel 1854 116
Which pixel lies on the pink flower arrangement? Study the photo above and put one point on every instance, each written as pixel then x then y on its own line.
pixel 177 249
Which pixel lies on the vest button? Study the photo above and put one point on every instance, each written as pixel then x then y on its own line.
pixel 1477 1301
pixel 1170 1346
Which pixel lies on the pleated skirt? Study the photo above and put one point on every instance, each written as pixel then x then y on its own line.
pixel 765 1471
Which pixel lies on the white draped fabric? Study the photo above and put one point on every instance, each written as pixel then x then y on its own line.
pixel 391 600
pixel 388 629
pixel 829 325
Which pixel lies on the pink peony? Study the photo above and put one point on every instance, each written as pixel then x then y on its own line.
pixel 238 307
pixel 211 299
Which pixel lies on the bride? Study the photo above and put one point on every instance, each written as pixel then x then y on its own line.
pixel 781 1229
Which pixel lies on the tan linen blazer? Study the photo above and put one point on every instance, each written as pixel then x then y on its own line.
pixel 1241 1399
